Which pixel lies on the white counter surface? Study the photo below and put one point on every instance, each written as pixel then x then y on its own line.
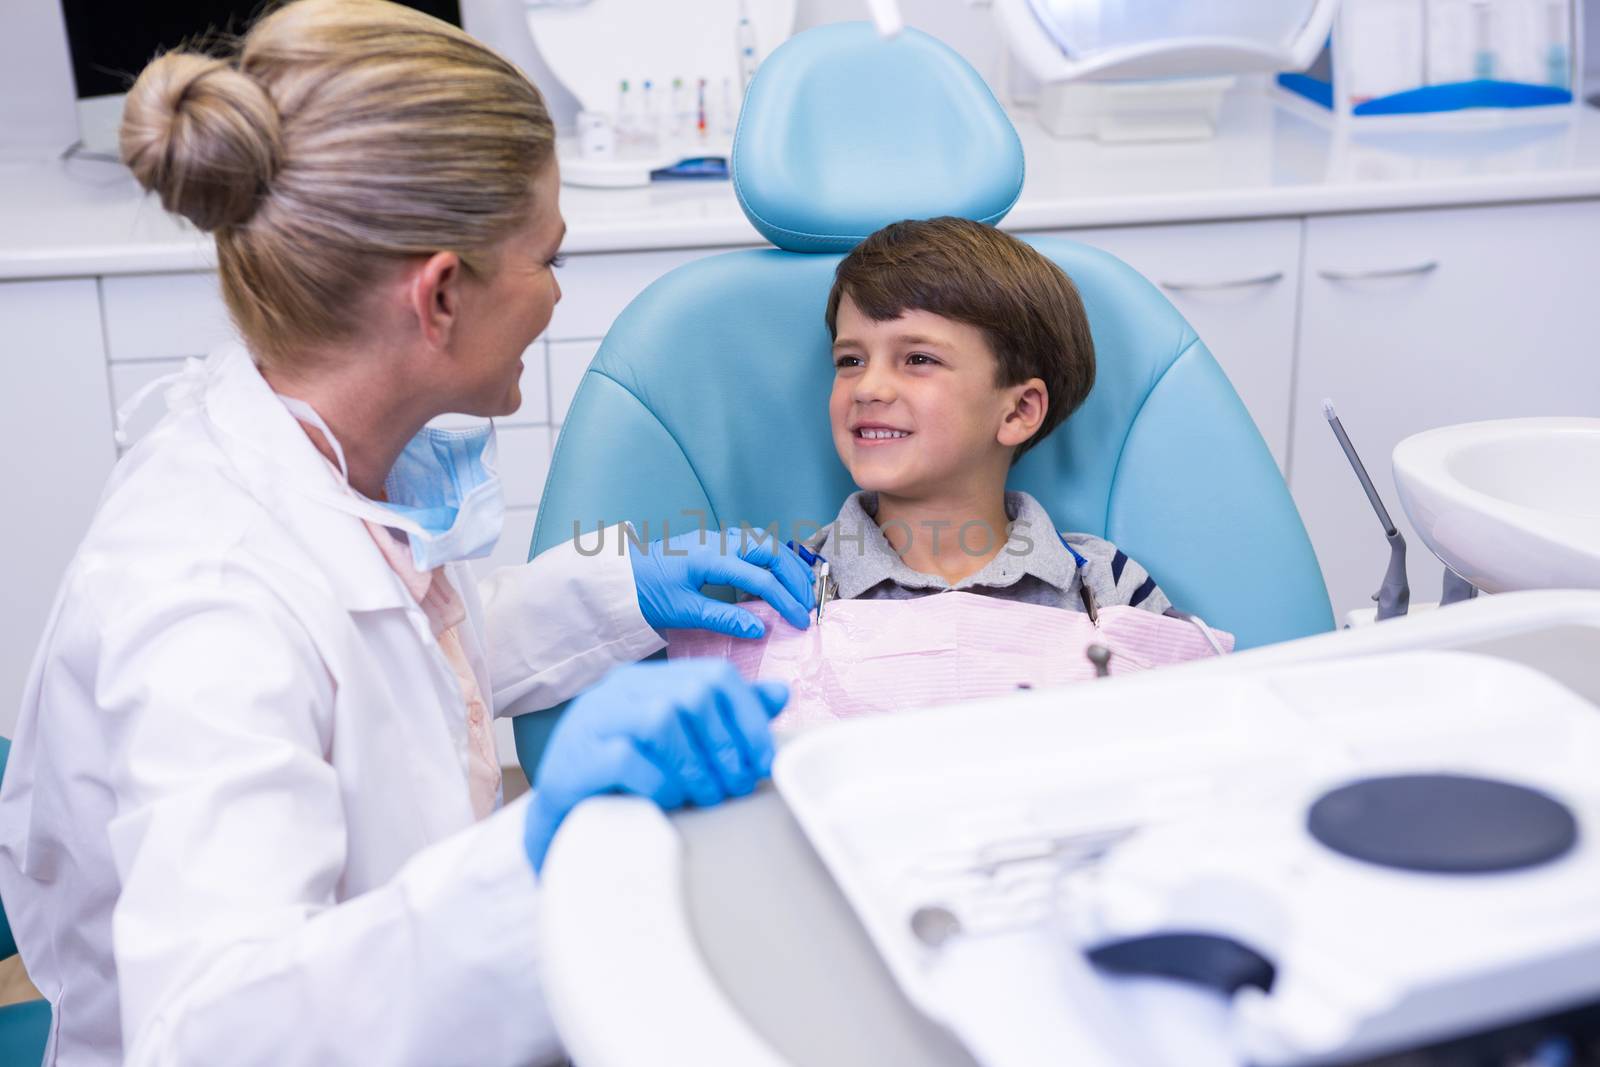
pixel 1273 157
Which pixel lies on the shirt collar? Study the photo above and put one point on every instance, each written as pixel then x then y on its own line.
pixel 270 451
pixel 860 557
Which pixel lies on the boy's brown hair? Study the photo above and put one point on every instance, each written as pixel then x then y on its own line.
pixel 1025 306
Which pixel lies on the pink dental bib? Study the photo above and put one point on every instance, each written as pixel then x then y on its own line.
pixel 871 656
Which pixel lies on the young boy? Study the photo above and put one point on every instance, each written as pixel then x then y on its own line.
pixel 956 349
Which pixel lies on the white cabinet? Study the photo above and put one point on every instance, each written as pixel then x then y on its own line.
pixel 512 548
pixel 595 288
pixel 55 408
pixel 1235 282
pixel 164 316
pixel 568 362
pixel 1407 320
pixel 128 377
pixel 1420 319
pixel 126 381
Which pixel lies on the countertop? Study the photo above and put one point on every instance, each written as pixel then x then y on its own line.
pixel 1273 156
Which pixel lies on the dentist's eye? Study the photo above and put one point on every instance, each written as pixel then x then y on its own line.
pixel 556 261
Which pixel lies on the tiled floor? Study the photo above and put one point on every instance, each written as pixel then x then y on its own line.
pixel 14 984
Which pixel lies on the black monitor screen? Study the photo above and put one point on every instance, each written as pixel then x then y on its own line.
pixel 112 40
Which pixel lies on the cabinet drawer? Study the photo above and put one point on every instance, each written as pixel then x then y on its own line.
pixel 512 548
pixel 1419 319
pixel 1235 283
pixel 568 362
pixel 162 316
pixel 524 463
pixel 595 288
pixel 53 406
pixel 126 380
pixel 524 450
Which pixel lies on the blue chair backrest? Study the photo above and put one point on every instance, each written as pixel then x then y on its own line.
pixel 8 943
pixel 709 393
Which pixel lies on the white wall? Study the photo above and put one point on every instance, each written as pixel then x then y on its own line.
pixel 1591 44
pixel 38 101
pixel 968 26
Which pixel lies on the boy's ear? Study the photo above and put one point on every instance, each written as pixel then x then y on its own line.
pixel 1028 404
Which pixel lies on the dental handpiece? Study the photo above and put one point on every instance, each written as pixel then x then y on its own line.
pixel 1360 468
pixel 1394 595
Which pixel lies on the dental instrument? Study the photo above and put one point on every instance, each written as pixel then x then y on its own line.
pixel 578 54
pixel 1558 55
pixel 680 109
pixel 822 582
pixel 1483 53
pixel 886 17
pixel 651 124
pixel 746 36
pixel 1394 595
pixel 626 127
pixel 1201 625
pixel 730 109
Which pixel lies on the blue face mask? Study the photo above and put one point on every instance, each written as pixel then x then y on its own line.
pixel 444 491
pixel 446 482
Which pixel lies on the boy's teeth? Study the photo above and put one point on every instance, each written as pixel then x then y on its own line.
pixel 877 435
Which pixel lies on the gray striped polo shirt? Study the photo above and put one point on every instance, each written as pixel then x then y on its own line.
pixel 1037 565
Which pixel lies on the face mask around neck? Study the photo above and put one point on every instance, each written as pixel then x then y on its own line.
pixel 444 491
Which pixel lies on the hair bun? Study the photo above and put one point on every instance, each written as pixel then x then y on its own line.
pixel 204 136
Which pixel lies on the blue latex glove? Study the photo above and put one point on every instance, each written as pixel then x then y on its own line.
pixel 690 730
pixel 669 583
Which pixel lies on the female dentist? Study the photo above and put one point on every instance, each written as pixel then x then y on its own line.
pixel 251 815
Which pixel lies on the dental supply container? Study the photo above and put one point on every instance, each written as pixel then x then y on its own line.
pixel 1388 58
pixel 1156 69
pixel 658 85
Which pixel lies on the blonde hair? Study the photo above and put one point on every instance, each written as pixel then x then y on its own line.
pixel 341 136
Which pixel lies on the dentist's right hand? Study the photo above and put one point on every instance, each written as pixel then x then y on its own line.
pixel 668 576
pixel 688 730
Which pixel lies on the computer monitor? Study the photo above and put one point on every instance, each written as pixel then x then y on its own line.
pixel 111 42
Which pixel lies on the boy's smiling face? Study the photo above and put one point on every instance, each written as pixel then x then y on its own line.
pixel 916 410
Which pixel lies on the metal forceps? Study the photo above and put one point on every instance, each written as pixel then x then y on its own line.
pixel 821 582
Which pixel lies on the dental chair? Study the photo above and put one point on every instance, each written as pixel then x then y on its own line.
pixel 25 1027
pixel 709 393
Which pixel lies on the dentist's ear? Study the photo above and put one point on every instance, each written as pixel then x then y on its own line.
pixel 434 297
pixel 1029 402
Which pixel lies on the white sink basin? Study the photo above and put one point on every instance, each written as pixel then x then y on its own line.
pixel 1510 504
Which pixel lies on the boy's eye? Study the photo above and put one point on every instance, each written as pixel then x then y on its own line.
pixel 847 361
pixel 920 359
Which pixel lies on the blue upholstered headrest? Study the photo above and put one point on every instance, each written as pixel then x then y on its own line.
pixel 843 132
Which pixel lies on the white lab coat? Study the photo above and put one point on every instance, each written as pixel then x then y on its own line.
pixel 235 825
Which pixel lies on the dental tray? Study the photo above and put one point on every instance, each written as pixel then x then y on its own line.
pixel 988 847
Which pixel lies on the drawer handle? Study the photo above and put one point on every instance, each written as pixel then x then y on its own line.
pixel 1235 283
pixel 1381 272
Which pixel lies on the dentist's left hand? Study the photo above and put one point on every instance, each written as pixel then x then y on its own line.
pixel 689 730
pixel 668 576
